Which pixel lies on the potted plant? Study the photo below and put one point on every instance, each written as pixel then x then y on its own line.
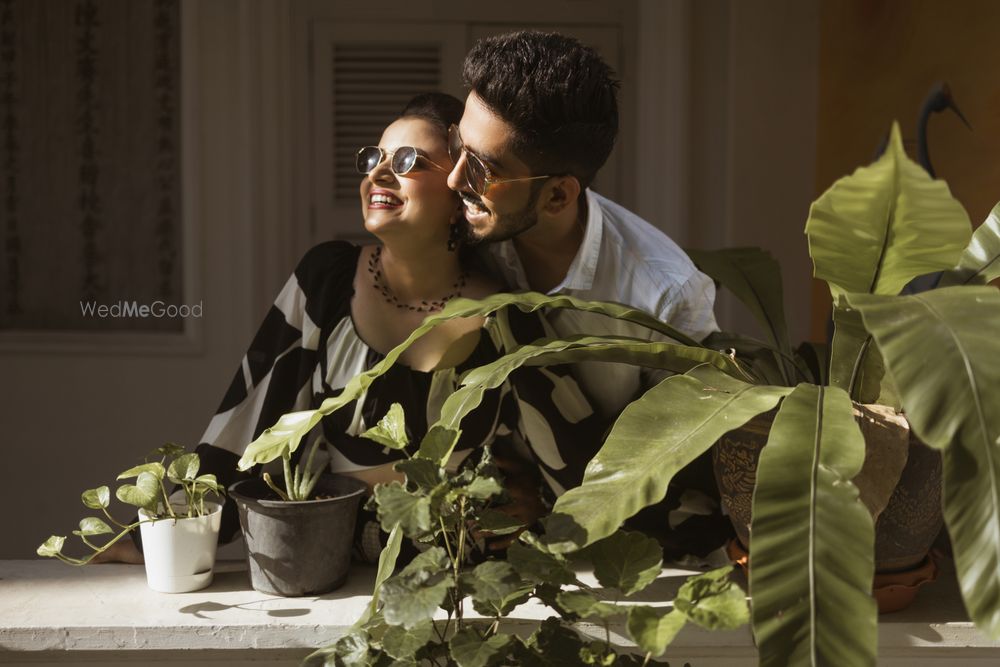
pixel 179 538
pixel 812 538
pixel 298 528
pixel 421 614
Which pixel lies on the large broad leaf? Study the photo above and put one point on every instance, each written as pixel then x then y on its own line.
pixel 941 348
pixel 412 598
pixel 154 468
pixel 668 356
pixel 469 649
pixel 980 263
pixel 754 277
pixel 402 643
pixel 93 526
pixel 283 438
pixel 626 560
pixel 184 468
pixel 855 363
pixel 811 539
pixel 655 436
pixel 885 224
pixel 97 498
pixel 396 505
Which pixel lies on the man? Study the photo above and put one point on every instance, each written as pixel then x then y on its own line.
pixel 540 120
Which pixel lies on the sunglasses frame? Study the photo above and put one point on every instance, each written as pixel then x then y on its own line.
pixel 384 154
pixel 488 181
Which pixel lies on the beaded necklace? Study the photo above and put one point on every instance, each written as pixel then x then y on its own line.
pixel 378 283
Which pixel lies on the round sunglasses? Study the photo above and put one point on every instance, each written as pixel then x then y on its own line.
pixel 401 161
pixel 477 174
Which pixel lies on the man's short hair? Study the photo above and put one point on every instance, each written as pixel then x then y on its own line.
pixel 559 96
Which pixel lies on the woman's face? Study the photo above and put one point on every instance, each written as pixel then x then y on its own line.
pixel 417 204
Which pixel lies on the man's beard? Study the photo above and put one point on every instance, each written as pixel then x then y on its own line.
pixel 508 225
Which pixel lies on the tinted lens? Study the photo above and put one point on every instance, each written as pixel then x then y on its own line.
pixel 475 173
pixel 404 159
pixel 369 157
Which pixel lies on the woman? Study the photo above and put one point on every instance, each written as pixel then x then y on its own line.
pixel 346 306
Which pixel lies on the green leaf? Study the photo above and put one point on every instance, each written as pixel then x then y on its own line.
pixel 493 581
pixel 438 444
pixel 209 481
pixel 352 650
pixel 169 449
pixel 468 649
pixel 498 523
pixel 51 547
pixel 154 468
pixel 386 565
pixel 93 526
pixel 625 560
pixel 96 499
pixel 183 468
pixel 482 488
pixel 141 494
pixel 853 348
pixel 396 505
pixel 431 561
pixel 653 628
pixel 713 601
pixel 980 263
pixel 811 538
pixel 538 566
pixel 941 349
pixel 390 431
pixel 885 224
pixel 283 438
pixel 754 277
pixel 648 445
pixel 667 356
pixel 422 473
pixel 585 605
pixel 412 598
pixel 401 643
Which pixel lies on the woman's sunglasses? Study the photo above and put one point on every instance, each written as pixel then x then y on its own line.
pixel 477 174
pixel 401 161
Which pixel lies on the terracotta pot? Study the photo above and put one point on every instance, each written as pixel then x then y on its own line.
pixel 904 529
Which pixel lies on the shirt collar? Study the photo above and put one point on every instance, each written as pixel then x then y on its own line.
pixel 581 272
pixel 580 275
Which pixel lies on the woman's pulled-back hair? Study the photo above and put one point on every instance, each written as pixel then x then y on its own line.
pixel 440 109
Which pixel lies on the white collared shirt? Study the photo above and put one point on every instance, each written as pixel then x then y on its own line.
pixel 626 260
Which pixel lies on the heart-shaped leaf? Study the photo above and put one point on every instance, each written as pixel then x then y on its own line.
pixel 141 494
pixel 52 547
pixel 96 499
pixel 154 468
pixel 93 526
pixel 653 628
pixel 184 468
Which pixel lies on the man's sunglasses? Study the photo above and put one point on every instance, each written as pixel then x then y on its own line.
pixel 477 174
pixel 401 161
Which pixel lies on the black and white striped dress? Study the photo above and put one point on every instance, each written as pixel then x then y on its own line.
pixel 307 349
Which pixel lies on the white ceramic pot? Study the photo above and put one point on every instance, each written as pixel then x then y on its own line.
pixel 180 553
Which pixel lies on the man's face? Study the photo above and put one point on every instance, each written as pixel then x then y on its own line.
pixel 506 209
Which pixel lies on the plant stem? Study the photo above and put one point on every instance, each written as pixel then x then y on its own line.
pixel 286 463
pixel 274 487
pixel 112 519
pixel 166 500
pixel 461 554
pixel 646 661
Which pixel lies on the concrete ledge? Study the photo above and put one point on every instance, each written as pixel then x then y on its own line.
pixel 52 613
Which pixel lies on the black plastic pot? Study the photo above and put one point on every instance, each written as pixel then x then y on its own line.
pixel 301 547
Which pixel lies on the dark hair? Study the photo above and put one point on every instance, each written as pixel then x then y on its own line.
pixel 441 109
pixel 559 96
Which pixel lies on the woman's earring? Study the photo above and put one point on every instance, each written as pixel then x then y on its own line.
pixel 453 236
